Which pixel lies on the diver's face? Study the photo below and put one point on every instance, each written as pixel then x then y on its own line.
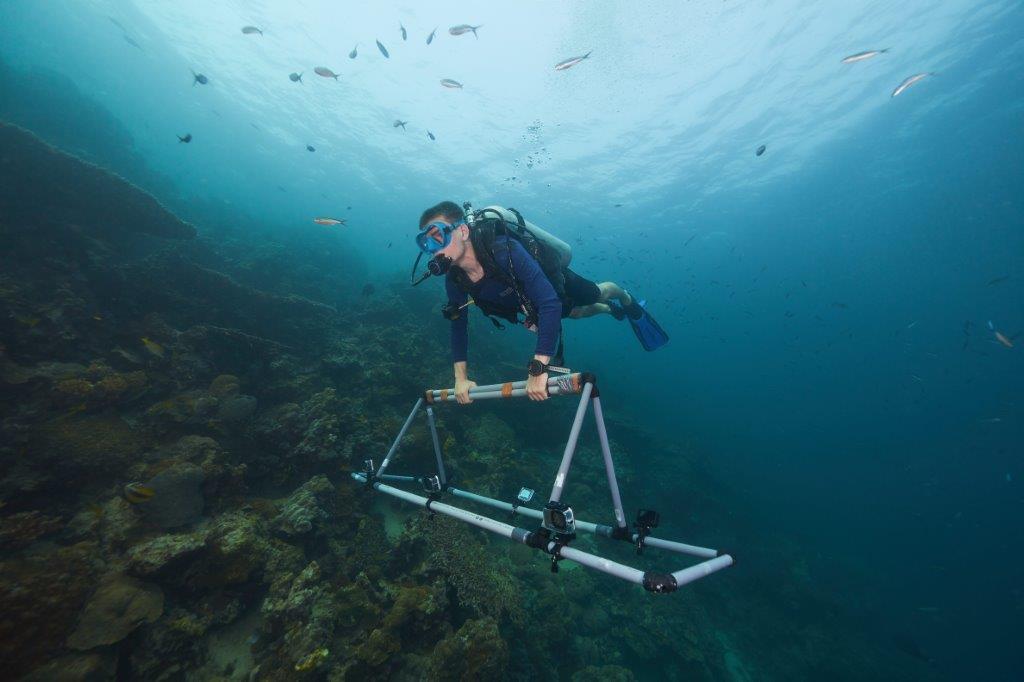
pixel 457 247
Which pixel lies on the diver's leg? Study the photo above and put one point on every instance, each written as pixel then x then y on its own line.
pixel 589 310
pixel 613 290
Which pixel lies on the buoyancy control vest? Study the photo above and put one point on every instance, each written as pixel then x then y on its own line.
pixel 551 253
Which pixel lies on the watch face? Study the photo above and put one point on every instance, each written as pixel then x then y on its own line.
pixel 536 367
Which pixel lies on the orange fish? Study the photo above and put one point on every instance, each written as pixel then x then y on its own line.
pixel 1003 340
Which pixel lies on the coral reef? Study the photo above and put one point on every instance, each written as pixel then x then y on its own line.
pixel 84 195
pixel 232 384
pixel 119 605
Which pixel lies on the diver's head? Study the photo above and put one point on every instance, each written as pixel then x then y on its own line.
pixel 444 234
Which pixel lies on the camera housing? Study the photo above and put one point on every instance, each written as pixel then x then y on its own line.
pixel 559 519
pixel 431 484
pixel 525 495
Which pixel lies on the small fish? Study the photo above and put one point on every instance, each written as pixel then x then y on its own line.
pixel 760 150
pixel 1009 477
pixel 861 56
pixel 1003 340
pixel 837 304
pixel 572 61
pixel 328 221
pixel 131 42
pixel 186 139
pixel 295 77
pixel 991 327
pixel 910 81
pixel 137 493
pixel 912 324
pixel 369 289
pixel 153 347
pixel 199 78
pixel 354 52
pixel 464 28
pixel 449 83
pixel 430 38
pixel 325 72
pixel 389 245
pixel 383 50
pixel 991 420
pixel 249 30
pixel 431 135
pixel 399 123
pixel 310 148
pixel 402 29
pixel 997 280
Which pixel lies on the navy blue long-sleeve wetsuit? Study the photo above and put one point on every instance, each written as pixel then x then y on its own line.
pixel 535 287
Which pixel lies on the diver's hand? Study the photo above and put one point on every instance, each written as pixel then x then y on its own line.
pixel 537 387
pixel 462 391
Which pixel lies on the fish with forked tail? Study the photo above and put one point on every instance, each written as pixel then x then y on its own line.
pixel 861 56
pixel 572 61
pixel 325 72
pixel 464 28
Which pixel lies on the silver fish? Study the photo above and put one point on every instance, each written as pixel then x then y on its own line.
pixel 248 30
pixel 353 53
pixel 562 66
pixel 325 72
pixel 861 56
pixel 464 28
pixel 383 50
pixel 910 81
pixel 430 38
pixel 399 123
pixel 449 83
pixel 402 29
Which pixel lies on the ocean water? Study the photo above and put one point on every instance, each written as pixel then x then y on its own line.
pixel 834 405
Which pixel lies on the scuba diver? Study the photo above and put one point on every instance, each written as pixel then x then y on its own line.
pixel 508 267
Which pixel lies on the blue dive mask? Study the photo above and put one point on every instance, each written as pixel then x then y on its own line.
pixel 435 236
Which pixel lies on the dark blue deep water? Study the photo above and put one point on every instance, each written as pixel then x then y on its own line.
pixel 839 404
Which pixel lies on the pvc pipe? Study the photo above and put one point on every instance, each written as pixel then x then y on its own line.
pixel 570 446
pixel 503 529
pixel 692 550
pixel 401 434
pixel 555 385
pixel 600 564
pixel 688 575
pixel 609 466
pixel 437 446
pixel 515 393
